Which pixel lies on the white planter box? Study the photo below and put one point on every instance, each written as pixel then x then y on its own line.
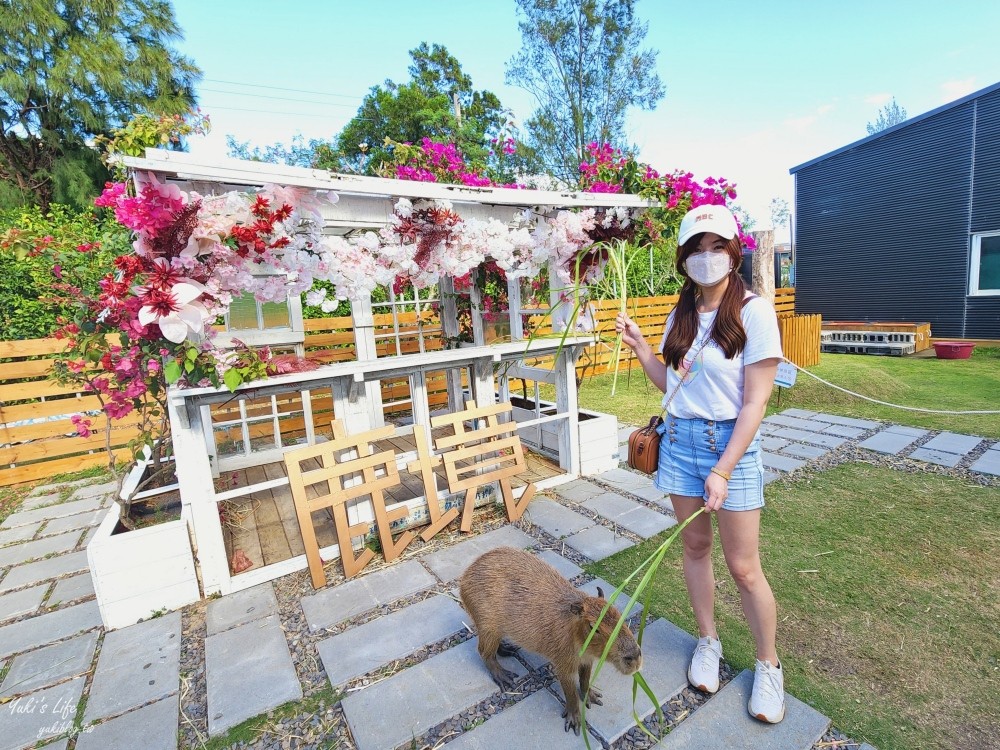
pixel 137 573
pixel 598 434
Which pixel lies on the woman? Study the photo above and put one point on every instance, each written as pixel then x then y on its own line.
pixel 721 350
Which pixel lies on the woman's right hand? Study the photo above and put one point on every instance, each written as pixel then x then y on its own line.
pixel 629 329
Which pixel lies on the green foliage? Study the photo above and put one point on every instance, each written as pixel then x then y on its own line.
pixel 317 153
pixel 151 131
pixel 74 69
pixel 582 60
pixel 891 114
pixel 40 249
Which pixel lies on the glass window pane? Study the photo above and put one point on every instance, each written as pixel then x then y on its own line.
pixel 243 313
pixel 275 315
pixel 989 264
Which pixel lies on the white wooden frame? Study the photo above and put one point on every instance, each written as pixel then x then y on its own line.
pixel 975 263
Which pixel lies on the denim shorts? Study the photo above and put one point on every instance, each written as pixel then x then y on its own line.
pixel 689 448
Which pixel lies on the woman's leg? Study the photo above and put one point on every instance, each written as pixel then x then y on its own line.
pixel 698 574
pixel 739 532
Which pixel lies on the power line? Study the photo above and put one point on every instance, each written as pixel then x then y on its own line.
pixel 282 88
pixel 271 112
pixel 278 98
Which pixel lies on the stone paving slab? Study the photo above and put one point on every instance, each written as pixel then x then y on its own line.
pixel 935 457
pixel 624 479
pixel 367 647
pixel 804 436
pixel 629 514
pixel 771 443
pixel 535 722
pixel 597 542
pixel 950 442
pixel 138 664
pixel 779 462
pixel 50 664
pixel 103 490
pixel 903 429
pixel 579 490
pixel 556 519
pixel 152 727
pixel 21 553
pixel 801 450
pixel 248 671
pixel 76 521
pixel 449 563
pixel 724 724
pixel 988 463
pixel 802 413
pixel 652 493
pixel 889 442
pixel 566 568
pixel 20 534
pixel 70 589
pixel 666 651
pixel 770 476
pixel 23 517
pixel 799 424
pixel 43 570
pixel 864 424
pixel 37 716
pixel 249 604
pixel 388 714
pixel 339 603
pixel 47 628
pixel 21 602
pixel 37 501
pixel 843 430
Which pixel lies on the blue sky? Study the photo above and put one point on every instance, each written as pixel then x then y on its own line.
pixel 753 87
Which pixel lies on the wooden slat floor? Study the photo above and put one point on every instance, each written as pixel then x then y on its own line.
pixel 264 525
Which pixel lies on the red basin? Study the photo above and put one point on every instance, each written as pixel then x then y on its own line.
pixel 953 349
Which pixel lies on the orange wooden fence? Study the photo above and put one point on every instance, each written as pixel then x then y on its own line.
pixel 38 440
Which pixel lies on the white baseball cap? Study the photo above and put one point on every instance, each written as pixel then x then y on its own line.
pixel 716 219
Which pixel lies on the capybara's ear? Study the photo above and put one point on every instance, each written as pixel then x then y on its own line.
pixel 576 608
pixel 600 593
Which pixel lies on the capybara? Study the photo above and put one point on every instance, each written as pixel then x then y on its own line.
pixel 513 595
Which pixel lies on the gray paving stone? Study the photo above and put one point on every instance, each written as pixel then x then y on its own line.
pixel 815 438
pixel 387 714
pixel 597 542
pixel 152 727
pixel 624 479
pixel 102 490
pixel 770 476
pixel 88 536
pixel 795 423
pixel 950 442
pixel 802 413
pixel 579 490
pixel 724 724
pixel 625 430
pixel 905 430
pixel 47 513
pixel 249 671
pixel 50 664
pixel 771 443
pixel 138 664
pixel 20 553
pixel 75 522
pixel 449 563
pixel 935 457
pixel 54 626
pixel 40 715
pixel 779 462
pixel 630 515
pixel 535 722
pixel 236 609
pixel 339 603
pixel 71 589
pixel 666 651
pixel 844 430
pixel 20 534
pixel 566 568
pixel 37 501
pixel 768 429
pixel 801 450
pixel 21 602
pixel 57 745
pixel 988 463
pixel 556 519
pixel 360 650
pixel 43 570
pixel 864 424
pixel 888 441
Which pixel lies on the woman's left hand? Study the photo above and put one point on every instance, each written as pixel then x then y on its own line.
pixel 716 492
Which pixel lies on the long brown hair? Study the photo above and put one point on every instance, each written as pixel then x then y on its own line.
pixel 727 331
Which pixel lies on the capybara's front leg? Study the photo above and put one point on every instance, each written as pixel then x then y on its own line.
pixel 590 695
pixel 488 645
pixel 572 712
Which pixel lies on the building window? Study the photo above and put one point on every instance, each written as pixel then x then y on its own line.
pixel 984 271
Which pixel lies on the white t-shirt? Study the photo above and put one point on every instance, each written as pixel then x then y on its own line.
pixel 713 388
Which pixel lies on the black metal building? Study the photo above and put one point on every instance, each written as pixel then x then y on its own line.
pixel 904 225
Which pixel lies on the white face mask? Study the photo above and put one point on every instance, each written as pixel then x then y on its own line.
pixel 708 269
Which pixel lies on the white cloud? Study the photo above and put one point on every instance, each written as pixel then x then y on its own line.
pixel 952 90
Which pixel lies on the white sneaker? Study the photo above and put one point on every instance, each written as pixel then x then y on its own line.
pixel 767 701
pixel 703 673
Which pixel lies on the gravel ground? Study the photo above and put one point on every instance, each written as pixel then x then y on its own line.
pixel 320 722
